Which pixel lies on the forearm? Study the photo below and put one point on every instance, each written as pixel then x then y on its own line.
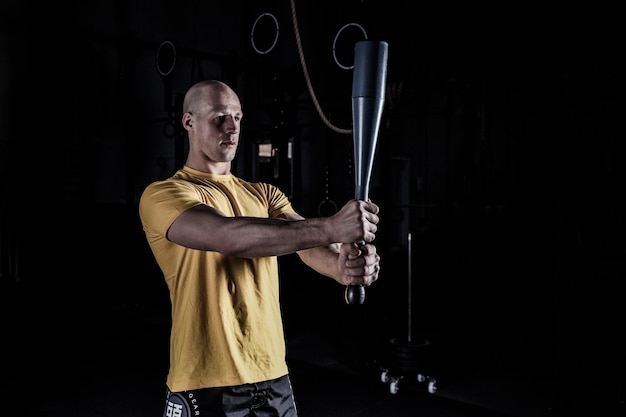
pixel 204 228
pixel 323 259
pixel 253 237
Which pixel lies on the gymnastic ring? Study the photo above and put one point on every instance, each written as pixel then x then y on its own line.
pixel 335 43
pixel 324 203
pixel 171 59
pixel 275 37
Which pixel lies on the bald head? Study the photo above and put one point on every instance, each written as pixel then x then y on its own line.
pixel 200 94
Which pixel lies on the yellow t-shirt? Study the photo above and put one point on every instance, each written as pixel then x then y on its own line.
pixel 226 322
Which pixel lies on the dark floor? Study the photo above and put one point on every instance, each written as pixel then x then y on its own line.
pixel 100 360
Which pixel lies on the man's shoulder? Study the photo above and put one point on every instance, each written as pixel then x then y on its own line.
pixel 165 187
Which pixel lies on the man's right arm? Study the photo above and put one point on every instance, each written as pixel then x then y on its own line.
pixel 206 228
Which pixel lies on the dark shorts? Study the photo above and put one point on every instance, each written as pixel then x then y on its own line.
pixel 272 398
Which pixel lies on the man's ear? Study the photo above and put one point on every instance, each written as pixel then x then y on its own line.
pixel 187 123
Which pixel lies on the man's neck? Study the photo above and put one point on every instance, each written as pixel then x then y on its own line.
pixel 218 168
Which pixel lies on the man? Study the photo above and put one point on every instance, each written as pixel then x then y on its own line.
pixel 216 239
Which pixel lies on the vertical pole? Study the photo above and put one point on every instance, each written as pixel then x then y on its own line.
pixel 410 291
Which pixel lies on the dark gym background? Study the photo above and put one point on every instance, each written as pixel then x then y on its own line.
pixel 501 153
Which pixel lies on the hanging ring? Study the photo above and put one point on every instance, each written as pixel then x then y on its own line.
pixel 335 43
pixel 326 205
pixel 275 36
pixel 165 58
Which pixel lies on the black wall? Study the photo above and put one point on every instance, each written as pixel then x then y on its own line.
pixel 501 152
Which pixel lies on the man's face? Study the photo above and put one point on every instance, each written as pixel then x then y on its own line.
pixel 218 127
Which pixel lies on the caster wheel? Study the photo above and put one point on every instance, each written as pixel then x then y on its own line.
pixel 421 378
pixel 393 387
pixel 432 387
pixel 384 376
